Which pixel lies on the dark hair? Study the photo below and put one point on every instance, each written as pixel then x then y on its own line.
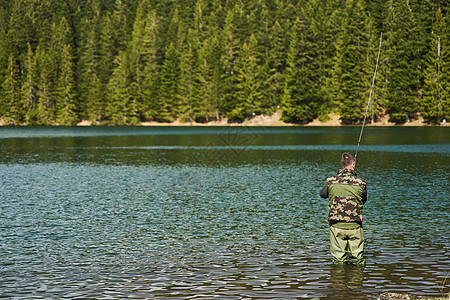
pixel 347 159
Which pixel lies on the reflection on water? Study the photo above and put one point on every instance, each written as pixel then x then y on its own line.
pixel 346 282
pixel 188 213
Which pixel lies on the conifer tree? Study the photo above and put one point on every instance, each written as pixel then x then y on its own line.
pixel 61 35
pixel 228 62
pixel 353 58
pixel 138 52
pixel 107 50
pixel 423 16
pixel 210 69
pixel 170 73
pixel 436 94
pixel 11 102
pixel 302 97
pixel 288 107
pixel 45 111
pixel 150 59
pixel 334 33
pixel 216 75
pixel 325 31
pixel 123 109
pixel 403 77
pixel 375 8
pixel 66 91
pixel 29 88
pixel 249 90
pixel 275 64
pixel 200 19
pixel 202 91
pixel 120 32
pixel 91 91
pixel 4 54
pixel 186 79
pixel 21 30
pixel 137 46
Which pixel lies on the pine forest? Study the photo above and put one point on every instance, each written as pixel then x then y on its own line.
pixel 123 62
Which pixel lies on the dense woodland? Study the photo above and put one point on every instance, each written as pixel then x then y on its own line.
pixel 128 61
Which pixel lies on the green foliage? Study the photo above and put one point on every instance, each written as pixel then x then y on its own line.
pixel 248 88
pixel 353 58
pixel 92 105
pixel 127 61
pixel 29 87
pixel 11 98
pixel 302 94
pixel 122 109
pixel 170 77
pixel 65 105
pixel 436 94
pixel 45 110
pixel 402 52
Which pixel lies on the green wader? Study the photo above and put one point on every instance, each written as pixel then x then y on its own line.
pixel 347 244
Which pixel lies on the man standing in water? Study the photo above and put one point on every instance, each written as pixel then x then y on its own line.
pixel 347 194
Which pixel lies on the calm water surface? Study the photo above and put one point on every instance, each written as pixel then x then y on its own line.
pixel 223 212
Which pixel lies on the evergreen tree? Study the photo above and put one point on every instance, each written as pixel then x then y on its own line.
pixel 302 94
pixel 353 58
pixel 139 52
pixel 186 79
pixel 202 90
pixel 21 30
pixel 66 92
pixel 326 32
pixel 91 92
pixel 11 102
pixel 4 54
pixel 228 63
pixel 199 19
pixel 436 94
pixel 403 77
pixel 137 45
pixel 4 24
pixel 122 110
pixel 274 67
pixel 423 15
pixel 334 33
pixel 107 50
pixel 61 35
pixel 170 77
pixel 120 32
pixel 249 90
pixel 45 110
pixel 216 52
pixel 29 88
pixel 375 8
pixel 290 76
pixel 149 88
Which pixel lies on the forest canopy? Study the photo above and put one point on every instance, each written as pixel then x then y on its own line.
pixel 122 62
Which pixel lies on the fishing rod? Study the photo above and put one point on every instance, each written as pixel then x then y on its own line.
pixel 370 96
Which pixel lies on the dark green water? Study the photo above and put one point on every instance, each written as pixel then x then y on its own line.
pixel 223 212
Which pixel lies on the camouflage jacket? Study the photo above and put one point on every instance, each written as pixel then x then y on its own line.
pixel 347 194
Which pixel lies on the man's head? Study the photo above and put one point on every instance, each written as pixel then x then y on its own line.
pixel 348 161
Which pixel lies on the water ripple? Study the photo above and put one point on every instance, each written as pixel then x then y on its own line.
pixel 111 229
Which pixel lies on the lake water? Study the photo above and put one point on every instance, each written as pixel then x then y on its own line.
pixel 217 212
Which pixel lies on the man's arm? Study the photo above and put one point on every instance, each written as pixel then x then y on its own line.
pixel 324 191
pixel 364 196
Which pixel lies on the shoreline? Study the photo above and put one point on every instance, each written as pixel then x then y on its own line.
pixel 274 120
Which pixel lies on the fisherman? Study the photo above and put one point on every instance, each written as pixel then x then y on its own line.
pixel 347 194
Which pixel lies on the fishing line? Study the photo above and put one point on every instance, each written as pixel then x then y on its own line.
pixel 370 96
